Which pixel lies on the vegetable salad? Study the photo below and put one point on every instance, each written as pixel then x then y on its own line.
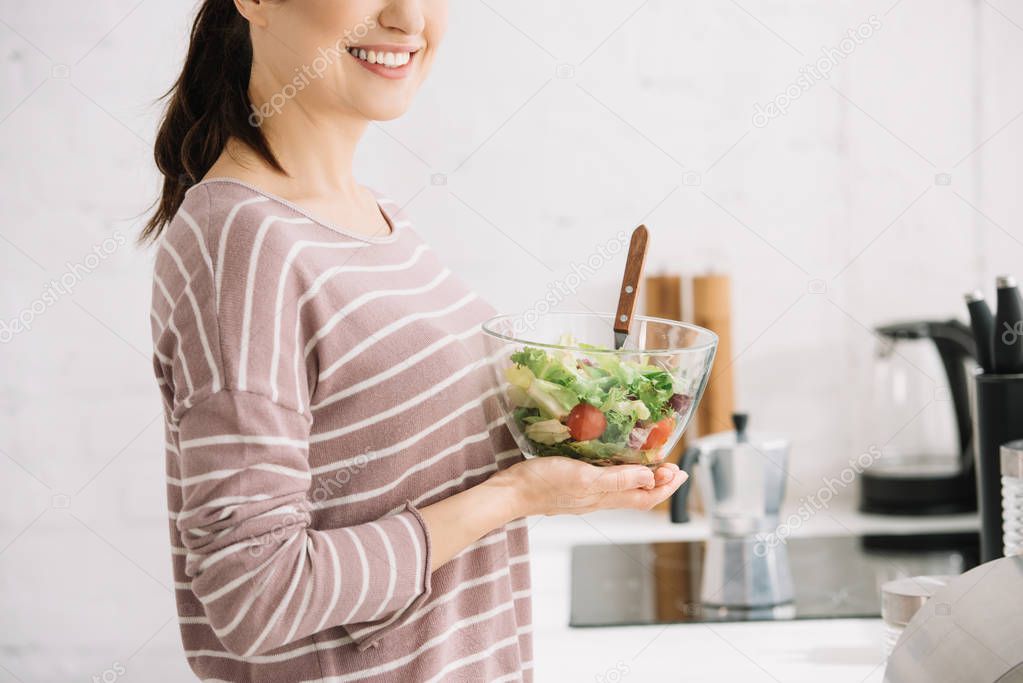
pixel 600 408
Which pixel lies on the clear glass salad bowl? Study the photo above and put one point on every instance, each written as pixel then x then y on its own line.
pixel 565 391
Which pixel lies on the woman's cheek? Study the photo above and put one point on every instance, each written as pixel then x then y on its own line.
pixel 437 23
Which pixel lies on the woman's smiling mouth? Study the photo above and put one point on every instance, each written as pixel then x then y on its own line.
pixel 385 60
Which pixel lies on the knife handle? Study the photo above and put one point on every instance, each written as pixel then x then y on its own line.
pixel 630 280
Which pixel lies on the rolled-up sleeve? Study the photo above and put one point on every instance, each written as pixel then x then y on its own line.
pixel 264 576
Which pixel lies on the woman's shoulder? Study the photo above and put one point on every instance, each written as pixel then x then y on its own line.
pixel 223 207
pixel 229 208
pixel 238 223
pixel 228 223
pixel 221 229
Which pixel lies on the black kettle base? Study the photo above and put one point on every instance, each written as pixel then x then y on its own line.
pixel 918 495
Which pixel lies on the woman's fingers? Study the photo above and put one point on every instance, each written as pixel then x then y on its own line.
pixel 641 499
pixel 664 473
pixel 623 478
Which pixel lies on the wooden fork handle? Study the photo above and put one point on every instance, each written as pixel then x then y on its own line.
pixel 630 281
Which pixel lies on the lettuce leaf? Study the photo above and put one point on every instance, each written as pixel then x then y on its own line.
pixel 547 368
pixel 544 366
pixel 552 399
pixel 547 432
pixel 655 389
pixel 595 450
pixel 619 425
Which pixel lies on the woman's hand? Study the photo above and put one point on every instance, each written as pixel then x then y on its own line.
pixel 555 485
pixel 550 485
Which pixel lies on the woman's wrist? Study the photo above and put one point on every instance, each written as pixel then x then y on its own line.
pixel 510 494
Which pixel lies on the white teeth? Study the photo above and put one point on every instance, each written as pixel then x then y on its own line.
pixel 388 59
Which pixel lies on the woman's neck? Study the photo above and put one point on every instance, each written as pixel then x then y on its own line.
pixel 316 151
pixel 317 154
pixel 317 157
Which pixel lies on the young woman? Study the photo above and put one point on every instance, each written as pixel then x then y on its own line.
pixel 345 501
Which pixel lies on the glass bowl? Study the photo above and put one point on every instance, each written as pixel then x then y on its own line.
pixel 564 390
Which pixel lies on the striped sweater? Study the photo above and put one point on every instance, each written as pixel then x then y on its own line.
pixel 318 387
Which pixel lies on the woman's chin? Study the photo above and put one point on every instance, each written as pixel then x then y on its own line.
pixel 384 111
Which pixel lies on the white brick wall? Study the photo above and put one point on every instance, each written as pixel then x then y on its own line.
pixel 654 124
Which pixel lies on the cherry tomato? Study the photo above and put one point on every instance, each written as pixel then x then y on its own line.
pixel 586 422
pixel 659 433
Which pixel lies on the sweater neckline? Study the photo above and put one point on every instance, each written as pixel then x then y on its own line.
pixel 392 222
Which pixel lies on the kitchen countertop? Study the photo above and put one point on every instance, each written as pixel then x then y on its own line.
pixel 806 650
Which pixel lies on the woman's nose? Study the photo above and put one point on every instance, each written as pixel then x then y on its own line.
pixel 406 16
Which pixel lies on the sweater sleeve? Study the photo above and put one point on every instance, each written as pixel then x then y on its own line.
pixel 264 576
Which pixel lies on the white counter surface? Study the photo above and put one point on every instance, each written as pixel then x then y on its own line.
pixel 809 650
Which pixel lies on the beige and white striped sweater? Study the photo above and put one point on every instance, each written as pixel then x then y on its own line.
pixel 319 387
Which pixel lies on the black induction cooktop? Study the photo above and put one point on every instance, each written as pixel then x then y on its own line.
pixel 833 577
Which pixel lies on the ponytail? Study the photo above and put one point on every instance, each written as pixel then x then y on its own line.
pixel 208 105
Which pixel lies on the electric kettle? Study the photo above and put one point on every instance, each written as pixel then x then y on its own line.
pixel 926 460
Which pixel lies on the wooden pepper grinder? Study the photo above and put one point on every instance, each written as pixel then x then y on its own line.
pixel 712 308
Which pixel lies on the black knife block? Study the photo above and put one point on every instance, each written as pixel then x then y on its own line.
pixel 998 419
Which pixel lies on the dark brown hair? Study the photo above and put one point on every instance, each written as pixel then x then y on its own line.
pixel 208 105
